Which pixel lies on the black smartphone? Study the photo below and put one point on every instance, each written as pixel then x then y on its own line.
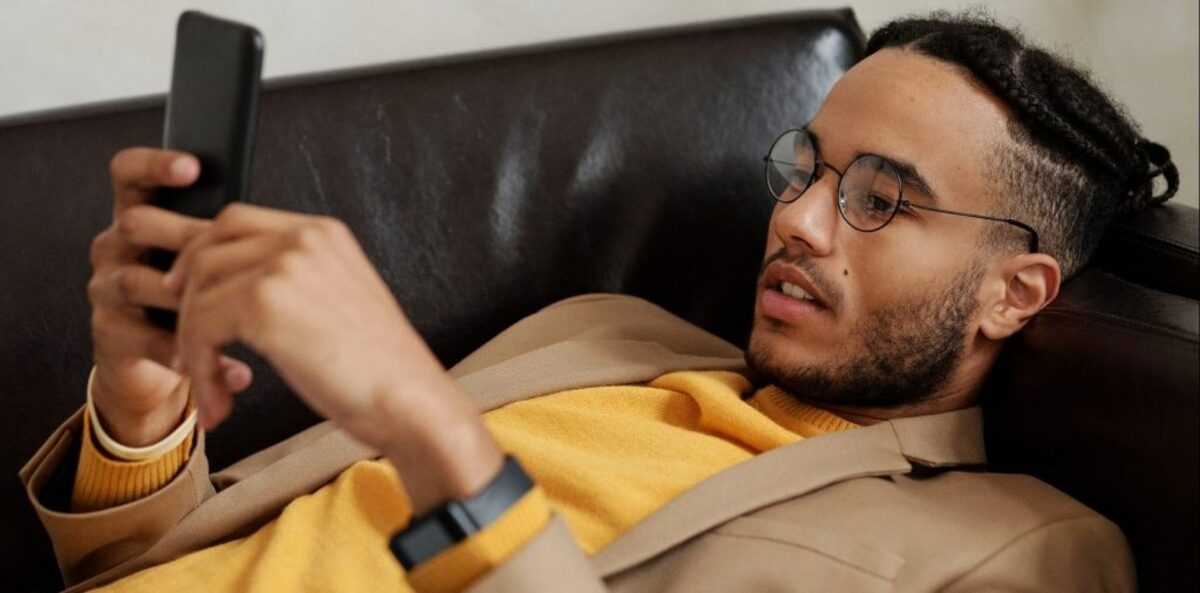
pixel 212 112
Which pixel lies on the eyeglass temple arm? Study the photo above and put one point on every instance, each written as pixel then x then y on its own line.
pixel 1033 236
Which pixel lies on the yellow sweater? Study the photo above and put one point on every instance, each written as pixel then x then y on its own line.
pixel 604 458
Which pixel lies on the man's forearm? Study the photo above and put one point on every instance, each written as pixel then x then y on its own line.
pixel 441 447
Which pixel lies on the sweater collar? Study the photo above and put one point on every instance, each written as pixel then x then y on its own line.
pixel 794 415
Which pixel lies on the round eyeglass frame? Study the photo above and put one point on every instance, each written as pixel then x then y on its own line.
pixel 899 203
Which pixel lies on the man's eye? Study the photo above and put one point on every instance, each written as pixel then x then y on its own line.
pixel 877 204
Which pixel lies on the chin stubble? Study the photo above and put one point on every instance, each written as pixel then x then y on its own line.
pixel 902 355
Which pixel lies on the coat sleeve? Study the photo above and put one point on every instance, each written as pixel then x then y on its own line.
pixel 89 543
pixel 551 563
pixel 1077 554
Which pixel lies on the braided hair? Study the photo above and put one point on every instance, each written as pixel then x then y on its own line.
pixel 1074 159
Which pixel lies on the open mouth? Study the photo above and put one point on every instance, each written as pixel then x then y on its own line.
pixel 796 292
pixel 792 283
pixel 787 299
pixel 789 295
pixel 789 302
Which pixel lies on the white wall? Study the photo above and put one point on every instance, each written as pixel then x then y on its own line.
pixel 65 52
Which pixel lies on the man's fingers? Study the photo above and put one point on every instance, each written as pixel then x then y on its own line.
pixel 204 327
pixel 214 400
pixel 240 220
pixel 142 227
pixel 149 226
pixel 236 374
pixel 108 247
pixel 131 285
pixel 226 260
pixel 128 336
pixel 136 172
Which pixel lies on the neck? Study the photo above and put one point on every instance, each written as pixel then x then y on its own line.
pixel 867 415
pixel 960 391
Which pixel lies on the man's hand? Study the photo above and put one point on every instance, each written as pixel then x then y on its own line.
pixel 138 397
pixel 299 290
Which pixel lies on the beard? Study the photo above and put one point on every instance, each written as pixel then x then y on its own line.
pixel 898 356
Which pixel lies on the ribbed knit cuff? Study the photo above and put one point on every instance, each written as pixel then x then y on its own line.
pixel 102 482
pixel 454 569
pixel 153 451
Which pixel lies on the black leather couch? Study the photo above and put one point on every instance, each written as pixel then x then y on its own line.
pixel 486 186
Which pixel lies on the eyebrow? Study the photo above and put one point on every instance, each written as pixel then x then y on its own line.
pixel 909 175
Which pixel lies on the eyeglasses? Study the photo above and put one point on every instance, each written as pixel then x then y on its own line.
pixel 870 191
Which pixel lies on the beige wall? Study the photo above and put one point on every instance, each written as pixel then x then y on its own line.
pixel 1146 54
pixel 66 52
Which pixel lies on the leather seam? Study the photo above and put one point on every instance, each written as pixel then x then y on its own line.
pixel 1157 242
pixel 1094 318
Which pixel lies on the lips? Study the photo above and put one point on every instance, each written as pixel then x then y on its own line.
pixel 792 283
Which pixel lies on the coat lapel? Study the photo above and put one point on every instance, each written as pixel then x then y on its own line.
pixel 576 364
pixel 888 448
pixel 774 476
pixel 585 341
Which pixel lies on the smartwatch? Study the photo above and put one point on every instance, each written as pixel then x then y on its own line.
pixel 457 520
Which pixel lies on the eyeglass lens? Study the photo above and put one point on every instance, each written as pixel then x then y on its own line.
pixel 791 165
pixel 868 193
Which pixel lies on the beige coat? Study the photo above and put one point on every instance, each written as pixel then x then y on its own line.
pixel 897 506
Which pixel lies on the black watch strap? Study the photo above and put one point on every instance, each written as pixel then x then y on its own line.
pixel 457 520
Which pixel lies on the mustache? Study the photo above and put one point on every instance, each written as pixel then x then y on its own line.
pixel 829 291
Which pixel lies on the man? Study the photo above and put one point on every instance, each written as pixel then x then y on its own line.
pixel 935 203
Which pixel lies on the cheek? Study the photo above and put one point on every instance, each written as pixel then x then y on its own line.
pixel 891 270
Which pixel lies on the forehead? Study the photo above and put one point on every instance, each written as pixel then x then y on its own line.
pixel 904 105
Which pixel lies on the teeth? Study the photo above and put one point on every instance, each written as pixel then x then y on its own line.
pixel 795 291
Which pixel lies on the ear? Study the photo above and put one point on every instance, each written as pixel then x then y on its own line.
pixel 1026 284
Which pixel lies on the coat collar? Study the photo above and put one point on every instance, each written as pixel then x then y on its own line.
pixel 583 363
pixel 887 448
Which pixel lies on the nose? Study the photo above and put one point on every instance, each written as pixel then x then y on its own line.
pixel 807 224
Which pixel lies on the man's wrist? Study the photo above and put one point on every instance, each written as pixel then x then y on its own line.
pixel 445 453
pixel 432 534
pixel 137 430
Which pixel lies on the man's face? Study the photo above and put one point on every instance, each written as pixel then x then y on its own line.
pixel 894 309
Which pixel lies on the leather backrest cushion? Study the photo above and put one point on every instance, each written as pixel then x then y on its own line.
pixel 1098 396
pixel 1158 248
pixel 482 188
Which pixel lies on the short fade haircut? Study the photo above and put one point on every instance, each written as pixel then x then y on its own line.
pixel 1075 159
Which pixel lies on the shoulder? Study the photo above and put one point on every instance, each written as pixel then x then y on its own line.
pixel 1031 536
pixel 956 529
pixel 974 505
pixel 597 318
